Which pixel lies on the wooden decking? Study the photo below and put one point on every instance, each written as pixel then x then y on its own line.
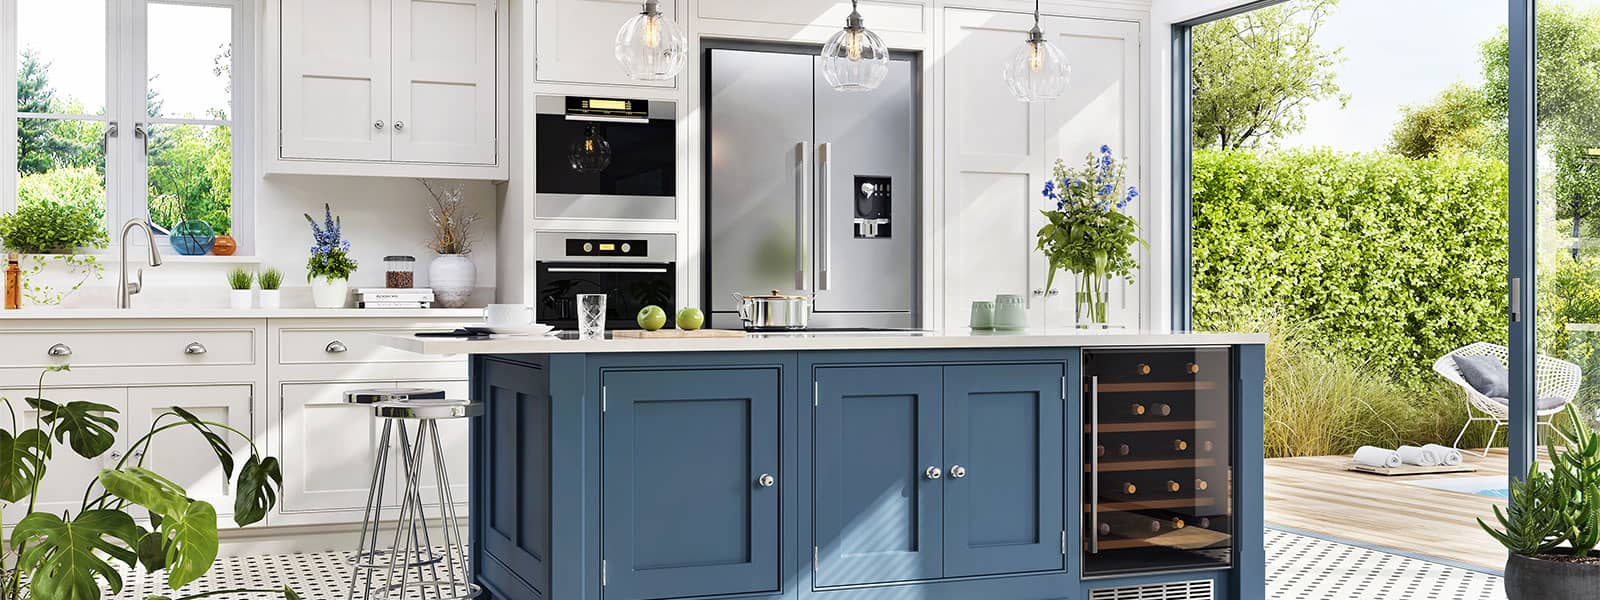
pixel 1318 495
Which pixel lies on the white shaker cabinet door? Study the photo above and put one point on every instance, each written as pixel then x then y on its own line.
pixel 181 454
pixel 994 161
pixel 444 81
pixel 1101 107
pixel 328 449
pixel 336 79
pixel 67 475
pixel 577 40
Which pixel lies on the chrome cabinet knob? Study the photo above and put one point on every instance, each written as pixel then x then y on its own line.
pixel 335 347
pixel 933 473
pixel 378 125
pixel 1053 293
pixel 194 349
pixel 1038 291
pixel 957 472
pixel 766 480
pixel 399 125
pixel 59 350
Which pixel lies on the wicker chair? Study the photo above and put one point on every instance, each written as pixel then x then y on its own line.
pixel 1553 379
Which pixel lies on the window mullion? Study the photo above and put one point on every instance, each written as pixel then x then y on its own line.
pixel 8 115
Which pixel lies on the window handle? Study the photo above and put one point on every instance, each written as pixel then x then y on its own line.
pixel 105 136
pixel 143 135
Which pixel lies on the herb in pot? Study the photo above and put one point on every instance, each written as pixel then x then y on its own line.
pixel 240 279
pixel 45 230
pixel 270 279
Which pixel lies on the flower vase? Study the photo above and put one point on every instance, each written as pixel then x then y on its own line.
pixel 452 277
pixel 329 293
pixel 192 238
pixel 1092 301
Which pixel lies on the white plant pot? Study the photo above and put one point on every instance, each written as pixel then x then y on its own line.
pixel 453 278
pixel 270 299
pixel 240 299
pixel 329 293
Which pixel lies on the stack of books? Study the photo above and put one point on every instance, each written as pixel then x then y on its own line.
pixel 394 298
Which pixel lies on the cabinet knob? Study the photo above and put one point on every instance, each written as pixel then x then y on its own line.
pixel 933 473
pixel 378 125
pixel 1038 291
pixel 59 350
pixel 399 125
pixel 957 472
pixel 766 480
pixel 194 349
pixel 335 347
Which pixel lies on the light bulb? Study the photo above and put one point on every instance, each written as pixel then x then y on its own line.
pixel 855 59
pixel 852 46
pixel 1035 57
pixel 650 46
pixel 652 31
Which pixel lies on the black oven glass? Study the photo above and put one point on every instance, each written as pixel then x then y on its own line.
pixel 628 287
pixel 642 163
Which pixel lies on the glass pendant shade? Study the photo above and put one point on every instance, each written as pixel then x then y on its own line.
pixel 1037 71
pixel 592 154
pixel 651 46
pixel 855 59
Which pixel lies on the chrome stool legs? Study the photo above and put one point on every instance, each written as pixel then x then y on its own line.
pixel 369 558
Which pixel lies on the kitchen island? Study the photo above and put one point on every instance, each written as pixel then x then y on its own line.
pixel 867 466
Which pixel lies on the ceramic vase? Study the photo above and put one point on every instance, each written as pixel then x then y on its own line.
pixel 452 277
pixel 270 299
pixel 240 299
pixel 224 245
pixel 329 293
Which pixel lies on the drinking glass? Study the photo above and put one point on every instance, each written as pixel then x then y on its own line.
pixel 591 316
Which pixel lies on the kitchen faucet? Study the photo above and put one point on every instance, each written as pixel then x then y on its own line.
pixel 126 289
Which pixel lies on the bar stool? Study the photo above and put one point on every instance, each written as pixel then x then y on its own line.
pixel 456 583
pixel 368 557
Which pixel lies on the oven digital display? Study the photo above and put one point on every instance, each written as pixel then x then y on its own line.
pixel 608 107
pixel 592 247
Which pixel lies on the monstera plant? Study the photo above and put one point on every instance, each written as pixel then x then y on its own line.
pixel 69 556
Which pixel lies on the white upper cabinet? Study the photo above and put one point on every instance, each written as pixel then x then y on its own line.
pixel 577 40
pixel 902 16
pixel 389 87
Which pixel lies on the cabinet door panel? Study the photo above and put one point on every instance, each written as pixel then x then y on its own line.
pixel 66 474
pixel 1003 426
pixel 336 79
pixel 577 40
pixel 328 448
pixel 683 451
pixel 515 490
pixel 444 78
pixel 181 454
pixel 876 432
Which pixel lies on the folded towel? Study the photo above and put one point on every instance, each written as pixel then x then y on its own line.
pixel 1373 456
pixel 1448 456
pixel 1421 457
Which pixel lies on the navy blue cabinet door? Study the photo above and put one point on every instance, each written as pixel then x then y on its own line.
pixel 876 505
pixel 689 506
pixel 1003 451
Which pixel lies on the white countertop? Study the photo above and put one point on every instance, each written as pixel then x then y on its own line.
pixel 963 338
pixel 466 315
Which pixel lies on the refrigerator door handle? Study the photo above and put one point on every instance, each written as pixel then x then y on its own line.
pixel 802 214
pixel 825 198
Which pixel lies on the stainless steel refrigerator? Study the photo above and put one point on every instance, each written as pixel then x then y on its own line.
pixel 811 189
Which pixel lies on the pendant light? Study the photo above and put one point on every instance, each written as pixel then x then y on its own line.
pixel 855 59
pixel 592 154
pixel 650 46
pixel 1037 71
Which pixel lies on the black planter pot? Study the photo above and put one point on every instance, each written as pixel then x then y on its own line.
pixel 1534 579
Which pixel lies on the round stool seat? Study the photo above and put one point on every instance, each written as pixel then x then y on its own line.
pixel 430 409
pixel 377 395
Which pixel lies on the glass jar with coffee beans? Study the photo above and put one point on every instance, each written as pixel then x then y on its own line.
pixel 401 273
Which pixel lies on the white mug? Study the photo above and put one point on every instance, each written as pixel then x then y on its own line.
pixel 508 315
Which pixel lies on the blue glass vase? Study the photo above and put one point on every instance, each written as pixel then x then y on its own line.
pixel 193 238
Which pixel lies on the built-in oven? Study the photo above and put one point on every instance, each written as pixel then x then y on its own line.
pixel 633 271
pixel 605 158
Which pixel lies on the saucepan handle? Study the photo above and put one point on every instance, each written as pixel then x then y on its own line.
pixel 738 304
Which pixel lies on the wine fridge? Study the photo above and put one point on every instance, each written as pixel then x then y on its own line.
pixel 1157 476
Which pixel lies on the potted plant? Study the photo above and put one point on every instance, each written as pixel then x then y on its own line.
pixel 69 555
pixel 329 268
pixel 1089 235
pixel 1553 524
pixel 270 281
pixel 240 280
pixel 43 228
pixel 451 275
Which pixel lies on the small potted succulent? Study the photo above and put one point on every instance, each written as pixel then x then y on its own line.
pixel 329 268
pixel 1553 524
pixel 270 281
pixel 240 281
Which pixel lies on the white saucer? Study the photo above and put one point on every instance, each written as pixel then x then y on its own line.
pixel 532 329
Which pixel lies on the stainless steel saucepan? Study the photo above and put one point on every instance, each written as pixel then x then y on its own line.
pixel 773 312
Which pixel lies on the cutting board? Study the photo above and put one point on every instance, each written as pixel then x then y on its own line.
pixel 676 334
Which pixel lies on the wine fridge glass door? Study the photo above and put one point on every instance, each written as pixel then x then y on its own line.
pixel 1157 460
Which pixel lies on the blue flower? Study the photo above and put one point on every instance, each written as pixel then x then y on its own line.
pixel 1105 149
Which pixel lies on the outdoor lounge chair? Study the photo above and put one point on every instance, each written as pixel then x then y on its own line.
pixel 1556 384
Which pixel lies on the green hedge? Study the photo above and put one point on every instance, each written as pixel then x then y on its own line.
pixel 1388 260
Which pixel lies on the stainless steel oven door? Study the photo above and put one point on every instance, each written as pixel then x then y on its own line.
pixel 605 168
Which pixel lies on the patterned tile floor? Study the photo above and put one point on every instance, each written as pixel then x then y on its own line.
pixel 1298 568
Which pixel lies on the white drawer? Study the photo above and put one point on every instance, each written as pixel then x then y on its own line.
pixel 128 348
pixel 342 346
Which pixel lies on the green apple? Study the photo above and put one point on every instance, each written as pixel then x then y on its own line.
pixel 652 318
pixel 690 318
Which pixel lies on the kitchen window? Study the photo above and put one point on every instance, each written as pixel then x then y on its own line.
pixel 132 108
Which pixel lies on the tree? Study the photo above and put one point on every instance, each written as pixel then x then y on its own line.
pixel 1454 121
pixel 36 147
pixel 1255 74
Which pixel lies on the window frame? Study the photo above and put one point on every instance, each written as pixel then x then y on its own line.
pixel 126 165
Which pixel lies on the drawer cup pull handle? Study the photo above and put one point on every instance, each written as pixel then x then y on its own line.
pixel 957 472
pixel 335 347
pixel 766 480
pixel 194 349
pixel 933 473
pixel 59 350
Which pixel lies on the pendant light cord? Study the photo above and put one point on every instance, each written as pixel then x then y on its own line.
pixel 1035 11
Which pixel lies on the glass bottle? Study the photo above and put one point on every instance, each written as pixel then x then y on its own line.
pixel 13 282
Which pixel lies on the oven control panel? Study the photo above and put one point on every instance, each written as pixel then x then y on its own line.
pixel 607 247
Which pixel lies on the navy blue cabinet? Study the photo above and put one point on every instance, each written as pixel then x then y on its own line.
pixel 930 472
pixel 690 482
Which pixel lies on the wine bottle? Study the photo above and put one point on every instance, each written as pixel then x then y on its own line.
pixel 1124 450
pixel 1178 523
pixel 1129 488
pixel 1205 522
pixel 1105 528
pixel 1207 446
pixel 1180 445
pixel 1161 409
pixel 1200 484
pixel 1192 368
pixel 1173 486
pixel 1100 450
pixel 1136 409
pixel 1143 369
